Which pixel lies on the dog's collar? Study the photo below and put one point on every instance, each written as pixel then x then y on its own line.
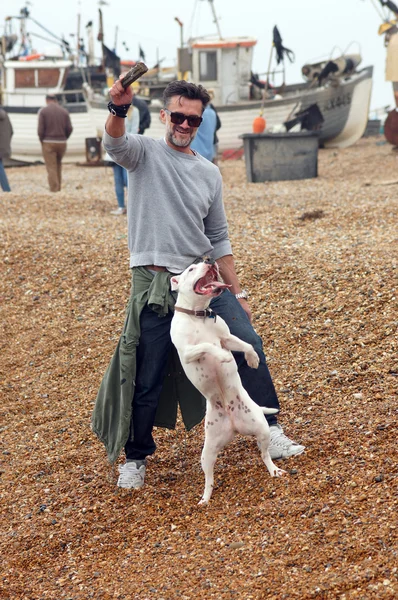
pixel 207 312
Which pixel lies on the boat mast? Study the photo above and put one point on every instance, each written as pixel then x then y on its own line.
pixel 78 41
pixel 215 18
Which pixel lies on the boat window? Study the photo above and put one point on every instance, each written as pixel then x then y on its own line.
pixel 48 77
pixel 24 78
pixel 207 66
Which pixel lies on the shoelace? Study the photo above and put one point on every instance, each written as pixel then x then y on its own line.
pixel 278 438
pixel 126 475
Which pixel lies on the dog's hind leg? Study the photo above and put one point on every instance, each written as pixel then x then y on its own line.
pixel 214 443
pixel 263 443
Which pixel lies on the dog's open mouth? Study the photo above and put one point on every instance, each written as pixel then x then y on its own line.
pixel 209 284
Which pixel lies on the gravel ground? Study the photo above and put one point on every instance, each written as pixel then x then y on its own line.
pixel 319 259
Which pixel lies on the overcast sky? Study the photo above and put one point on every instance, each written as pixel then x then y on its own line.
pixel 313 29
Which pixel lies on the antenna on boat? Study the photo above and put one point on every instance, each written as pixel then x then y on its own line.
pixel 215 18
pixel 115 44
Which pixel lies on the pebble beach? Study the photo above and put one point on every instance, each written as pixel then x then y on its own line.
pixel 319 259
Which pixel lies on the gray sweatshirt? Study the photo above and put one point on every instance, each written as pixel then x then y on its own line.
pixel 175 210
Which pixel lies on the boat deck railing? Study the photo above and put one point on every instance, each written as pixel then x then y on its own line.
pixel 25 97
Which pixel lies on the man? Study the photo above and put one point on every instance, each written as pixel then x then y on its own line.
pixel 5 147
pixel 54 130
pixel 175 216
pixel 145 115
pixel 203 141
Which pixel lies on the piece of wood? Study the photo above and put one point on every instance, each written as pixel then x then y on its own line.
pixel 135 73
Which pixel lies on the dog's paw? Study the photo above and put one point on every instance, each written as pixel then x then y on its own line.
pixel 226 357
pixel 252 359
pixel 276 472
pixel 202 502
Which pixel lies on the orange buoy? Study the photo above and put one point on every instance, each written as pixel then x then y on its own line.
pixel 259 125
pixel 30 57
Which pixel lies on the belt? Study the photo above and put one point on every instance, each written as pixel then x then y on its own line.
pixel 154 268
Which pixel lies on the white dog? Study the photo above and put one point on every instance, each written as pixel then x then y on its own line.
pixel 204 345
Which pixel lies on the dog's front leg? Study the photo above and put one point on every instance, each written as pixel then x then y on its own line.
pixel 192 353
pixel 235 344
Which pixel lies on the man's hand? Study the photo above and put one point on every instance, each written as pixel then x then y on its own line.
pixel 119 95
pixel 226 266
pixel 245 305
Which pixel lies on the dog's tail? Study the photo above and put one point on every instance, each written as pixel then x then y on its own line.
pixel 269 411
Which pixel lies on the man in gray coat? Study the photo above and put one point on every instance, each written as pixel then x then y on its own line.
pixel 5 147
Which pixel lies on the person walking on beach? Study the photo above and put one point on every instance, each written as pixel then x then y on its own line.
pixel 6 133
pixel 175 215
pixel 54 129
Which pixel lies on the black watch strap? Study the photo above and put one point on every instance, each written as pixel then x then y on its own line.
pixel 118 111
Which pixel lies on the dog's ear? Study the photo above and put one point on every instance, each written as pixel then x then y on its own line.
pixel 174 281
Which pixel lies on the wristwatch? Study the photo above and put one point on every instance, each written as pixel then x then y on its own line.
pixel 242 295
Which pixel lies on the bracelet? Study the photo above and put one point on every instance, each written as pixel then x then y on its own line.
pixel 118 111
pixel 241 295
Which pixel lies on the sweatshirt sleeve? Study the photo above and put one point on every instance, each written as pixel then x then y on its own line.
pixel 127 150
pixel 216 226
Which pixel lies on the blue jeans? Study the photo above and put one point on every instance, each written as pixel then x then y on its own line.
pixel 120 178
pixel 5 186
pixel 154 346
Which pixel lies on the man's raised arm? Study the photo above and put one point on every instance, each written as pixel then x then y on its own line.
pixel 121 99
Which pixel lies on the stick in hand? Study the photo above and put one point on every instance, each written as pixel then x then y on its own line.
pixel 135 73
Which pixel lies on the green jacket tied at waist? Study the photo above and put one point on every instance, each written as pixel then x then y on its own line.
pixel 113 406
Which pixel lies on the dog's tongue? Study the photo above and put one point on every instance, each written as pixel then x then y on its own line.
pixel 210 284
pixel 216 284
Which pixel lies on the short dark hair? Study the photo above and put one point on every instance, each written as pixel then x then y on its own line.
pixel 186 90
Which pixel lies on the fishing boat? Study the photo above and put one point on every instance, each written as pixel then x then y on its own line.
pixel 26 85
pixel 27 76
pixel 224 66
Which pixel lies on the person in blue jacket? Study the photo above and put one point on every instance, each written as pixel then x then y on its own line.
pixel 204 140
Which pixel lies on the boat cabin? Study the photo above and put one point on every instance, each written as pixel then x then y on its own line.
pixel 26 83
pixel 223 65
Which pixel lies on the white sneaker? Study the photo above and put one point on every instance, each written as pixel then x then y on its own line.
pixel 131 476
pixel 119 211
pixel 280 446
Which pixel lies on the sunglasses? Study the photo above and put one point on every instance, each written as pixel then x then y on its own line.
pixel 178 118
